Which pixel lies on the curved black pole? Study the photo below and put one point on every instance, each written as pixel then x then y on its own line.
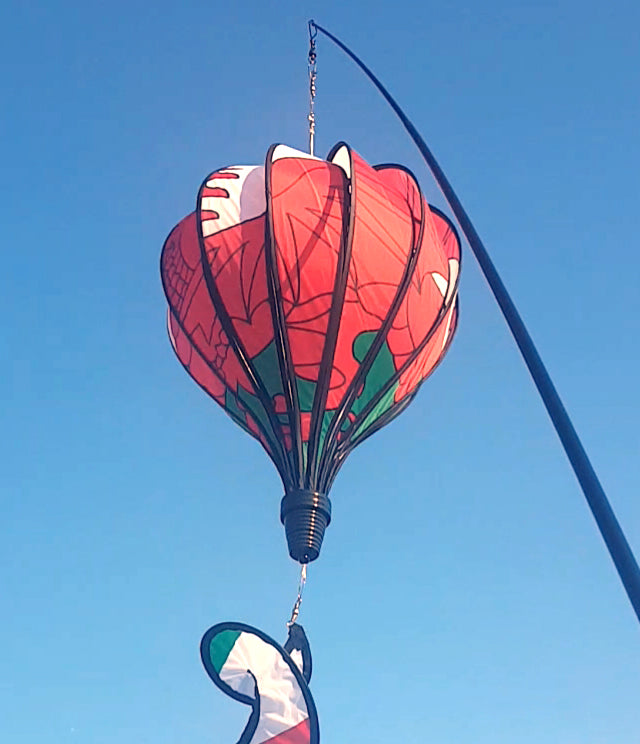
pixel 608 525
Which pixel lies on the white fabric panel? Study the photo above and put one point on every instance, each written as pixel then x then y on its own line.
pixel 343 160
pixel 284 151
pixel 282 705
pixel 454 270
pixel 246 198
pixel 441 283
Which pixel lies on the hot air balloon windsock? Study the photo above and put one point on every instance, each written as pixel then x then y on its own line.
pixel 310 298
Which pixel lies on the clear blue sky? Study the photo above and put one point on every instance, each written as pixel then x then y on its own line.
pixel 463 593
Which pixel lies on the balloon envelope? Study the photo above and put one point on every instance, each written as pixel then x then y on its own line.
pixel 310 298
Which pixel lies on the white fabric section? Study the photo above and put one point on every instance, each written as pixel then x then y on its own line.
pixel 171 338
pixel 241 681
pixel 284 151
pixel 454 269
pixel 447 286
pixel 441 283
pixel 282 704
pixel 246 198
pixel 343 160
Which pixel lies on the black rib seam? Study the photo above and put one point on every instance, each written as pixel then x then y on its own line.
pixel 394 378
pixel 313 471
pixel 236 344
pixel 238 421
pixel 396 410
pixel 285 361
pixel 436 324
pixel 381 334
pixel 339 459
pixel 213 371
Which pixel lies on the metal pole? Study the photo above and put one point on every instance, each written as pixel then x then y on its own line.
pixel 606 520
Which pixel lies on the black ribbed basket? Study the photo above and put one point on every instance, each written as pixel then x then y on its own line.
pixel 305 515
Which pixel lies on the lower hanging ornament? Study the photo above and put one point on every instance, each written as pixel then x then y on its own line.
pixel 251 667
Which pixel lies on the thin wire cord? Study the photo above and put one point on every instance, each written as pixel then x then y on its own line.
pixel 313 32
pixel 296 607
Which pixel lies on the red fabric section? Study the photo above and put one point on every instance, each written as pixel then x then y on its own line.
pixel 194 363
pixel 307 209
pixel 422 306
pixel 237 260
pixel 300 734
pixel 197 335
pixel 308 205
pixel 386 211
pixel 189 299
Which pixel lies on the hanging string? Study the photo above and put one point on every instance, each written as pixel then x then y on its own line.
pixel 296 607
pixel 313 32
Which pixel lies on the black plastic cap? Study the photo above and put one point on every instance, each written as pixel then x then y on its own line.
pixel 305 515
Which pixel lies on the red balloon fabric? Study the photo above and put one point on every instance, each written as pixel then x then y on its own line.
pixel 310 298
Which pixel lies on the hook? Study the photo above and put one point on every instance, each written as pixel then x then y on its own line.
pixel 296 607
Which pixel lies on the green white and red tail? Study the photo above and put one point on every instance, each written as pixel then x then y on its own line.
pixel 252 668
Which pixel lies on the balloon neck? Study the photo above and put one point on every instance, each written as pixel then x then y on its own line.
pixel 305 516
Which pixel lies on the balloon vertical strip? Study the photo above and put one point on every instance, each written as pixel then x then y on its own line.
pixel 314 464
pixel 381 334
pixel 236 344
pixel 281 338
pixel 610 529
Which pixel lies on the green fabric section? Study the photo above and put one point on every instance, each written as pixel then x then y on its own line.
pixel 254 405
pixel 268 369
pixel 306 392
pixel 232 407
pixel 383 405
pixel 257 410
pixel 326 420
pixel 362 344
pixel 381 371
pixel 221 646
